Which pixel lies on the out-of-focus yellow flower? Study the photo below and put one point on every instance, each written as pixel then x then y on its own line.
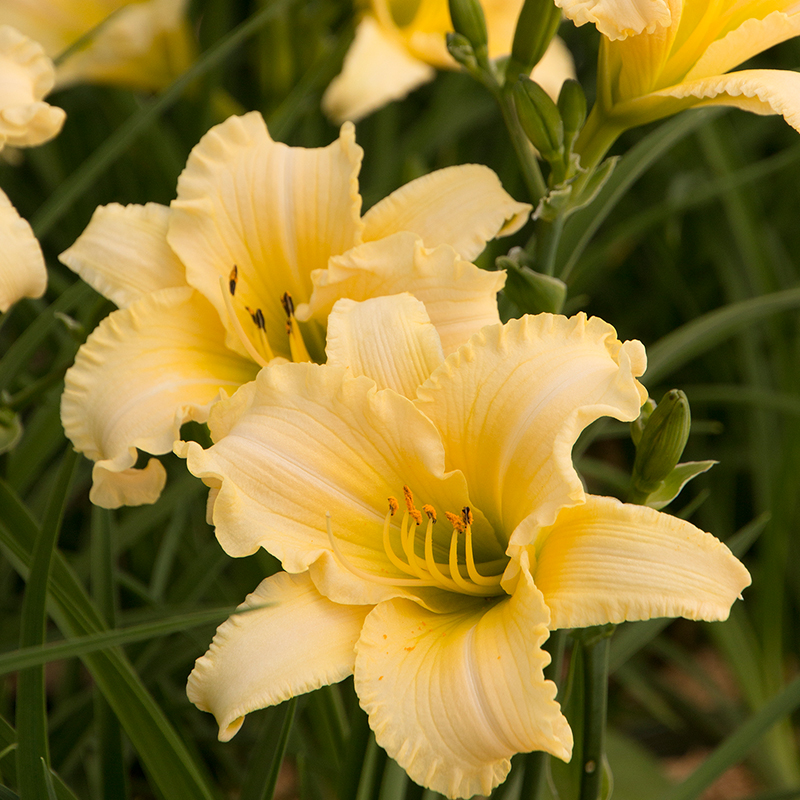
pixel 26 77
pixel 399 44
pixel 682 61
pixel 433 530
pixel 141 45
pixel 22 269
pixel 207 287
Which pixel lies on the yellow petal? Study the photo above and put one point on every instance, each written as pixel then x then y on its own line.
pixel 142 373
pixel 459 298
pixel 388 339
pixel 762 91
pixel 311 441
pixel 511 403
pixel 26 76
pixel 377 70
pixel 143 45
pixel 22 269
pixel 749 39
pixel 451 697
pixel 274 212
pixel 297 642
pixel 128 487
pixel 618 19
pixel 606 561
pixel 463 206
pixel 123 253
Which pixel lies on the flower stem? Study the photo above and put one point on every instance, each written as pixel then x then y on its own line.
pixel 526 155
pixel 595 643
pixel 549 235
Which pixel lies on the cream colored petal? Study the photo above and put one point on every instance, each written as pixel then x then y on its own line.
pixel 388 339
pixel 606 561
pixel 618 19
pixel 748 40
pixel 123 253
pixel 22 269
pixel 274 212
pixel 459 298
pixel 377 69
pixel 311 441
pixel 451 697
pixel 463 206
pixel 293 641
pixel 143 45
pixel 762 91
pixel 142 373
pixel 129 487
pixel 556 66
pixel 26 77
pixel 511 403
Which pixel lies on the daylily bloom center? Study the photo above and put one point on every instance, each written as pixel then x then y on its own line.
pixel 430 560
pixel 250 324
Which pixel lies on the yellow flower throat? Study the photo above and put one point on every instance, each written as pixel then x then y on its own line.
pixel 460 574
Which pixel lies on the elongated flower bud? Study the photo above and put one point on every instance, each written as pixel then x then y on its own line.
pixel 468 20
pixel 540 118
pixel 536 27
pixel 663 439
pixel 572 105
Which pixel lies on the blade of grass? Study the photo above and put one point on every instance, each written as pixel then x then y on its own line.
pixel 267 757
pixel 173 772
pixel 84 177
pixel 701 334
pixel 738 744
pixel 33 754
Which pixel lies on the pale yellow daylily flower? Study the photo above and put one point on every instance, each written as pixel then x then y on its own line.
pixel 399 45
pixel 141 44
pixel 22 269
pixel 26 77
pixel 433 530
pixel 206 286
pixel 683 63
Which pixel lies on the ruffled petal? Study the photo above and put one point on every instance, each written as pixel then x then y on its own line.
pixel 451 697
pixel 388 339
pixel 128 487
pixel 463 206
pixel 377 70
pixel 311 441
pixel 293 641
pixel 22 269
pixel 762 91
pixel 511 403
pixel 123 253
pixel 459 298
pixel 142 373
pixel 143 45
pixel 618 19
pixel 752 37
pixel 26 76
pixel 274 212
pixel 606 561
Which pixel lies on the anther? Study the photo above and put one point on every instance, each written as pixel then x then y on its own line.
pixel 257 317
pixel 466 515
pixel 233 279
pixel 430 511
pixel 412 511
pixel 455 521
pixel 393 505
pixel 288 304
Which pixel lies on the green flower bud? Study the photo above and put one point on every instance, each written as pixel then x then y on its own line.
pixel 637 426
pixel 572 105
pixel 540 118
pixel 462 51
pixel 468 20
pixel 663 439
pixel 537 25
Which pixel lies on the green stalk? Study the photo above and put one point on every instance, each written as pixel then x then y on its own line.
pixel 596 649
pixel 526 155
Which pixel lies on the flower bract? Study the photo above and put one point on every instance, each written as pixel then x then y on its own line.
pixel 223 282
pixel 399 45
pixel 433 530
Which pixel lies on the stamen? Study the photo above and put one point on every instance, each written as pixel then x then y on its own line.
pixel 455 521
pixel 387 544
pixel 237 326
pixel 368 576
pixel 409 498
pixel 472 570
pixel 430 563
pixel 455 573
pixel 407 536
pixel 393 505
pixel 430 511
pixel 297 346
pixel 233 278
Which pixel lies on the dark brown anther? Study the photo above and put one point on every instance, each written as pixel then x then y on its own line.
pixel 288 304
pixel 233 278
pixel 466 515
